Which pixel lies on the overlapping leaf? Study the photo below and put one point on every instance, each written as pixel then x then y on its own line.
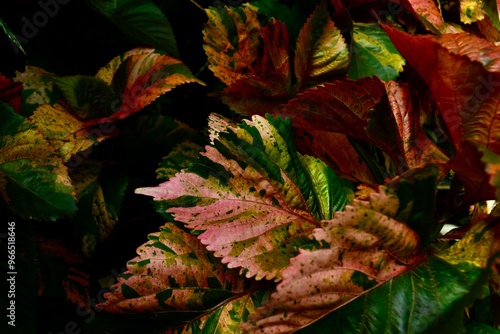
pixel 10 92
pixel 38 87
pixel 372 53
pixel 142 77
pixel 466 95
pixel 492 162
pixel 367 247
pixel 64 131
pixel 428 12
pixel 173 272
pixel 254 199
pixel 34 182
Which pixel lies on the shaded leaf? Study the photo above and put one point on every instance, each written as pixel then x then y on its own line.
pixel 372 53
pixel 38 88
pixel 89 97
pixel 107 72
pixel 10 92
pixel 320 48
pixel 33 180
pixel 173 272
pixel 252 176
pixel 366 247
pixel 492 162
pixel 65 132
pixel 100 192
pixel 335 150
pixel 13 38
pixel 141 79
pixel 142 20
pixel 181 156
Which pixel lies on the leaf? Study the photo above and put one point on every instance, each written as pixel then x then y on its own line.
pixel 252 176
pixel 13 39
pixel 107 72
pixel 89 97
pixel 372 53
pixel 100 193
pixel 491 9
pixel 492 162
pixel 34 183
pixel 466 101
pixel 181 156
pixel 173 273
pixel 64 131
pixel 430 15
pixel 10 92
pixel 142 20
pixel 366 247
pixel 38 87
pixel 335 150
pixel 231 37
pixel 141 79
pixel 471 11
pixel 321 49
pixel 355 108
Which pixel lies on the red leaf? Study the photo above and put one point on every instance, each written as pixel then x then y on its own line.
pixel 429 14
pixel 10 92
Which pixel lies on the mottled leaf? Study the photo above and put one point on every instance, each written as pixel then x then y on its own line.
pixel 33 180
pixel 181 156
pixel 173 272
pixel 100 190
pixel 231 37
pixel 64 131
pixel 372 53
pixel 366 247
pixel 471 11
pixel 38 87
pixel 143 77
pixel 320 48
pixel 142 20
pixel 252 176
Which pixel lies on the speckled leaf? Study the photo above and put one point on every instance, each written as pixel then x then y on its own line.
pixel 100 190
pixel 364 247
pixel 231 37
pixel 180 157
pixel 320 49
pixel 252 176
pixel 372 53
pixel 34 183
pixel 142 78
pixel 173 272
pixel 471 11
pixel 65 132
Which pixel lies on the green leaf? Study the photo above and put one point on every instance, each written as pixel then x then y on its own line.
pixel 142 20
pixel 252 176
pixel 34 183
pixel 183 155
pixel 100 193
pixel 491 9
pixel 15 42
pixel 372 53
pixel 173 273
pixel 89 97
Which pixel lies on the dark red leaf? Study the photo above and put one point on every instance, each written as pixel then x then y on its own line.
pixel 10 92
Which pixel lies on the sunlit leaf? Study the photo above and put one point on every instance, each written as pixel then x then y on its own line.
pixel 372 53
pixel 252 176
pixel 64 131
pixel 173 272
pixel 142 20
pixel 471 11
pixel 320 48
pixel 363 248
pixel 33 180
pixel 428 12
pixel 141 78
pixel 107 72
pixel 38 87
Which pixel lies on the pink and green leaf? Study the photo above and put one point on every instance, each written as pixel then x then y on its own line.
pixel 251 176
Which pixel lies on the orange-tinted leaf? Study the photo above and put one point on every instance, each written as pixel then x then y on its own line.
pixel 107 72
pixel 320 49
pixel 492 162
pixel 142 78
pixel 428 12
pixel 232 44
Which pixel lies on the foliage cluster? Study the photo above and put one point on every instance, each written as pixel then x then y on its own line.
pixel 303 160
